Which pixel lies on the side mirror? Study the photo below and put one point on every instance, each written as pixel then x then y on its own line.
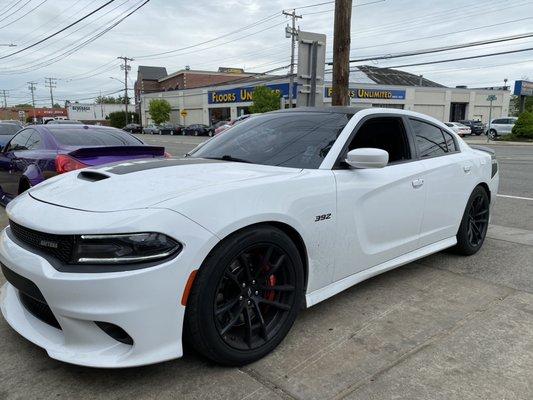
pixel 367 158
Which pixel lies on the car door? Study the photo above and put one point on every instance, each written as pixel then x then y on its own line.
pixel 447 178
pixel 11 164
pixel 498 125
pixel 378 210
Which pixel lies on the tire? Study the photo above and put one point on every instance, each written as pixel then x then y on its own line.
pixel 195 133
pixel 224 279
pixel 474 224
pixel 478 133
pixel 493 135
pixel 210 134
pixel 24 185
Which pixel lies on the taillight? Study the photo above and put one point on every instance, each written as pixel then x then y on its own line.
pixel 66 163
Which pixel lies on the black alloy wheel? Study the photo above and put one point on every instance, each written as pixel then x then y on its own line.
pixel 478 219
pixel 474 224
pixel 245 297
pixel 254 296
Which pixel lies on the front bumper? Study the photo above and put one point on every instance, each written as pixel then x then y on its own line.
pixel 145 303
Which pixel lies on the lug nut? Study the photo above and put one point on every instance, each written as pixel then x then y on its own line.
pixel 244 284
pixel 256 292
pixel 249 302
pixel 240 297
pixel 253 282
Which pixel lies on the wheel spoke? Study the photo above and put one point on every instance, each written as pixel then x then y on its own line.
pixel 278 288
pixel 249 327
pixel 277 264
pixel 479 214
pixel 226 307
pixel 232 277
pixel 262 324
pixel 246 266
pixel 276 304
pixel 233 320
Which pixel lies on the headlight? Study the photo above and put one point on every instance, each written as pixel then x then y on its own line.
pixel 124 248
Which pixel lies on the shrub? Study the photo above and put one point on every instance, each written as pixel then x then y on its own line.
pixel 524 126
pixel 117 119
pixel 159 110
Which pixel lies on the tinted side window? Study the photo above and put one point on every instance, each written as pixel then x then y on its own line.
pixel 499 121
pixel 429 139
pixel 19 141
pixel 450 142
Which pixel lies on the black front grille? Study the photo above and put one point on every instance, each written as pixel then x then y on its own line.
pixel 31 297
pixel 58 246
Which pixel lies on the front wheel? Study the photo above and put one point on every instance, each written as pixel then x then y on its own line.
pixel 493 134
pixel 474 224
pixel 246 296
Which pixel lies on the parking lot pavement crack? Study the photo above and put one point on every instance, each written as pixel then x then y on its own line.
pixel 432 341
pixel 283 393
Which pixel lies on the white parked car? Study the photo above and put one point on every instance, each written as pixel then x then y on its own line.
pixel 112 266
pixel 460 129
pixel 501 127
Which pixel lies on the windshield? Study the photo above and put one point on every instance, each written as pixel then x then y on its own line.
pixel 295 139
pixel 80 136
pixel 9 129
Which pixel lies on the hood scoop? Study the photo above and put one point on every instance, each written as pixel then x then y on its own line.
pixel 92 176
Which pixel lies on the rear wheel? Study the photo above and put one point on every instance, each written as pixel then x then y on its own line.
pixel 493 134
pixel 474 224
pixel 246 296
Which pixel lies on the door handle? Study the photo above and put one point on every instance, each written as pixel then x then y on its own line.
pixel 467 168
pixel 417 183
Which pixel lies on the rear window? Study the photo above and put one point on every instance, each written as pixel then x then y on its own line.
pixel 9 129
pixel 79 136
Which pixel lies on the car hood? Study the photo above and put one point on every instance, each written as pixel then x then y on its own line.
pixel 145 183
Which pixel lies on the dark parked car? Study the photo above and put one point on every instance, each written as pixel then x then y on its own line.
pixel 39 152
pixel 133 128
pixel 170 129
pixel 7 131
pixel 198 130
pixel 476 127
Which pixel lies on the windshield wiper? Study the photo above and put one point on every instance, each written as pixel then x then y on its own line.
pixel 227 157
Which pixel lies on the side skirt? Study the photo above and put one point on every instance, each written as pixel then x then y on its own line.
pixel 332 289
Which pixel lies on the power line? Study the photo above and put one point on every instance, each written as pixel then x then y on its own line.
pixel 16 11
pixel 23 15
pixel 441 49
pixel 58 32
pixel 463 58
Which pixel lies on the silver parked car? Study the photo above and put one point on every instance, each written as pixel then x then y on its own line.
pixel 151 129
pixel 501 127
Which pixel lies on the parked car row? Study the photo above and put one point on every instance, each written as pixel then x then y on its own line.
pixel 175 129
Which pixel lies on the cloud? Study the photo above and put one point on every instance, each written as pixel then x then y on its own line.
pixel 167 25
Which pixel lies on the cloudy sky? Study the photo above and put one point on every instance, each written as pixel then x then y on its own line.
pixel 247 34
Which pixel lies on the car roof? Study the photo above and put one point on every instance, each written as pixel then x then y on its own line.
pixel 326 109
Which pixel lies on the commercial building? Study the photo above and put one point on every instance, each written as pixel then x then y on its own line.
pixel 27 114
pixel 371 86
pixel 92 113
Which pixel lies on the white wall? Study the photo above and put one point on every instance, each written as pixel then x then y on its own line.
pixel 94 112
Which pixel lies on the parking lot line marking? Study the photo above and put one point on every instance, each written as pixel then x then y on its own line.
pixel 515 197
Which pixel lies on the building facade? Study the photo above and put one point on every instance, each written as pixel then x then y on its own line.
pixel 92 113
pixel 207 105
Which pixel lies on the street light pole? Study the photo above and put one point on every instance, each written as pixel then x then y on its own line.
pixel 32 89
pixel 126 68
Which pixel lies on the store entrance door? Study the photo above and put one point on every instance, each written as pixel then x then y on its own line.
pixel 458 111
pixel 219 114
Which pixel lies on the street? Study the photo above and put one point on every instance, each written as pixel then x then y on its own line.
pixel 444 327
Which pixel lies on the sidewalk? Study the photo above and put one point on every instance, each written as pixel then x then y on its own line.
pixel 482 140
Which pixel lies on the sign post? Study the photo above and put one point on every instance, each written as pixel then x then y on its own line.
pixel 490 98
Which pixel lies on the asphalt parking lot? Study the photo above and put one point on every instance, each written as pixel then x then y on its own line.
pixel 444 327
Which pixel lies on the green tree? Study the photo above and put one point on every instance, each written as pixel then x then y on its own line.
pixel 524 126
pixel 56 105
pixel 265 100
pixel 159 110
pixel 107 100
pixel 117 119
pixel 23 105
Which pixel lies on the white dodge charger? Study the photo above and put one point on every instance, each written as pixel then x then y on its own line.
pixel 117 265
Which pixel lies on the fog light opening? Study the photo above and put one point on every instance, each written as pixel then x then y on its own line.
pixel 116 332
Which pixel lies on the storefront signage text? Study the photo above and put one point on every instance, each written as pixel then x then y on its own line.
pixel 245 94
pixel 381 94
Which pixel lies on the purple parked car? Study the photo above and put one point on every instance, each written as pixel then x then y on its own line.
pixel 39 152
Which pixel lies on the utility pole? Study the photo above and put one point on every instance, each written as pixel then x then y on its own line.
pixel 126 69
pixel 5 95
pixel 341 53
pixel 51 83
pixel 32 89
pixel 293 34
